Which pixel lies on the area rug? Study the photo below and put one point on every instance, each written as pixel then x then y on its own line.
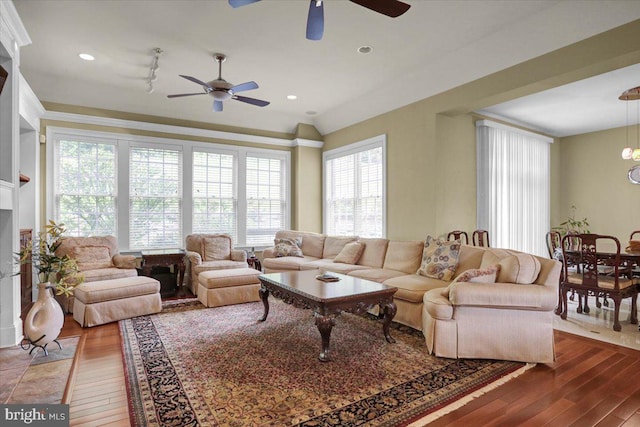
pixel 196 366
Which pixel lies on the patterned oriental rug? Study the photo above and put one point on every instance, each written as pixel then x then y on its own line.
pixel 196 366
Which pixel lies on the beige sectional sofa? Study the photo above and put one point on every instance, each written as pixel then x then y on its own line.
pixel 460 311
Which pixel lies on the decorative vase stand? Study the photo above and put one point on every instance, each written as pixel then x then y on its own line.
pixel 26 343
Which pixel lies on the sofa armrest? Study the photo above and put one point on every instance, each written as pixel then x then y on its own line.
pixel 238 255
pixel 268 253
pixel 193 257
pixel 501 295
pixel 124 261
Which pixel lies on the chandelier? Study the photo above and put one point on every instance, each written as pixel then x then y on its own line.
pixel 628 152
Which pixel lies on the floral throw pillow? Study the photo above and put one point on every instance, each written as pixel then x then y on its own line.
pixel 288 247
pixel 439 258
pixel 479 275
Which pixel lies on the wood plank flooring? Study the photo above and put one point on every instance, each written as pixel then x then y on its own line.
pixel 591 384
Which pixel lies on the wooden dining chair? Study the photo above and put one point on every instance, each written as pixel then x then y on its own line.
pixel 457 235
pixel 634 234
pixel 554 239
pixel 589 281
pixel 480 238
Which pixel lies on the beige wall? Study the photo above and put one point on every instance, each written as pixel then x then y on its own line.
pixel 431 181
pixel 593 177
pixel 307 189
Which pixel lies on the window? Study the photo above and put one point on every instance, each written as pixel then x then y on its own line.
pixel 214 194
pixel 85 186
pixel 266 198
pixel 513 186
pixel 155 198
pixel 354 189
pixel 151 192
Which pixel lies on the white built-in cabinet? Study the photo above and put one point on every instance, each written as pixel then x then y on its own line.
pixel 20 113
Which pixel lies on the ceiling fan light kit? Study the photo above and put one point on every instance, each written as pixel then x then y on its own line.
pixel 221 90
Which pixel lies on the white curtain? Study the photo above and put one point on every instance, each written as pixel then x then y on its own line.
pixel 513 186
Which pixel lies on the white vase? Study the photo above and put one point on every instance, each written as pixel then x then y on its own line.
pixel 45 319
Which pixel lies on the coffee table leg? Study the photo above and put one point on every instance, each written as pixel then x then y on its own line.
pixel 264 296
pixel 325 324
pixel 389 310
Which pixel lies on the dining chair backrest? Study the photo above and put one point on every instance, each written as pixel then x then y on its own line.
pixel 553 239
pixel 586 255
pixel 480 238
pixel 633 235
pixel 457 235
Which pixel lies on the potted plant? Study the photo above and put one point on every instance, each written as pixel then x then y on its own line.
pixel 44 321
pixel 573 226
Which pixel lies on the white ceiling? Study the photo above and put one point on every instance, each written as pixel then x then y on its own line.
pixel 435 46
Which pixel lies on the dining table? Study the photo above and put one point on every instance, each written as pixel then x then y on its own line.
pixel 628 259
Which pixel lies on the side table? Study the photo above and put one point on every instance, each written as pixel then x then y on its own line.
pixel 254 262
pixel 166 258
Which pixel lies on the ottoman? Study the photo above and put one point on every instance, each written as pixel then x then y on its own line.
pixel 105 301
pixel 228 286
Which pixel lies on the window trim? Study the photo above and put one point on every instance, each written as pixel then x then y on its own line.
pixel 346 150
pixel 123 141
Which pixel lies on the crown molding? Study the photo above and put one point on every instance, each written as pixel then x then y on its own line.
pixel 14 26
pixel 178 130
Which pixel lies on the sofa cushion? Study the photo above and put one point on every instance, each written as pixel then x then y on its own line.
pixel 350 253
pixel 330 265
pixel 533 297
pixel 221 264
pixel 411 287
pixel 216 248
pixel 334 244
pixel 470 257
pixel 439 258
pixel 374 252
pixel 286 263
pixel 288 247
pixel 515 267
pixel 107 274
pixel 479 275
pixel 377 274
pixel 91 257
pixel 404 255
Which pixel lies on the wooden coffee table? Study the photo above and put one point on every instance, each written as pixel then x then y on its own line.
pixel 328 299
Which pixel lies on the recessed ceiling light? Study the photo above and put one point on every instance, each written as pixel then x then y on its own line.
pixel 292 97
pixel 365 49
pixel 311 113
pixel 86 56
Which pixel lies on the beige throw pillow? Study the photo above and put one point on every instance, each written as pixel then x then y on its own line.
pixel 288 247
pixel 439 258
pixel 351 253
pixel 479 275
pixel 91 257
pixel 216 248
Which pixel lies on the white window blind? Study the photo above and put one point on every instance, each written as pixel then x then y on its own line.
pixel 354 189
pixel 85 186
pixel 266 198
pixel 214 194
pixel 513 186
pixel 155 198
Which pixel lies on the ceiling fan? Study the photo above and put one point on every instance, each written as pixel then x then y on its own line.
pixel 221 90
pixel 315 19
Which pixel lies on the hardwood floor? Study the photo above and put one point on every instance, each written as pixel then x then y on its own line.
pixel 591 384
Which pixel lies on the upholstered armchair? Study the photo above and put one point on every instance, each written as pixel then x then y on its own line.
pixel 98 259
pixel 210 252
